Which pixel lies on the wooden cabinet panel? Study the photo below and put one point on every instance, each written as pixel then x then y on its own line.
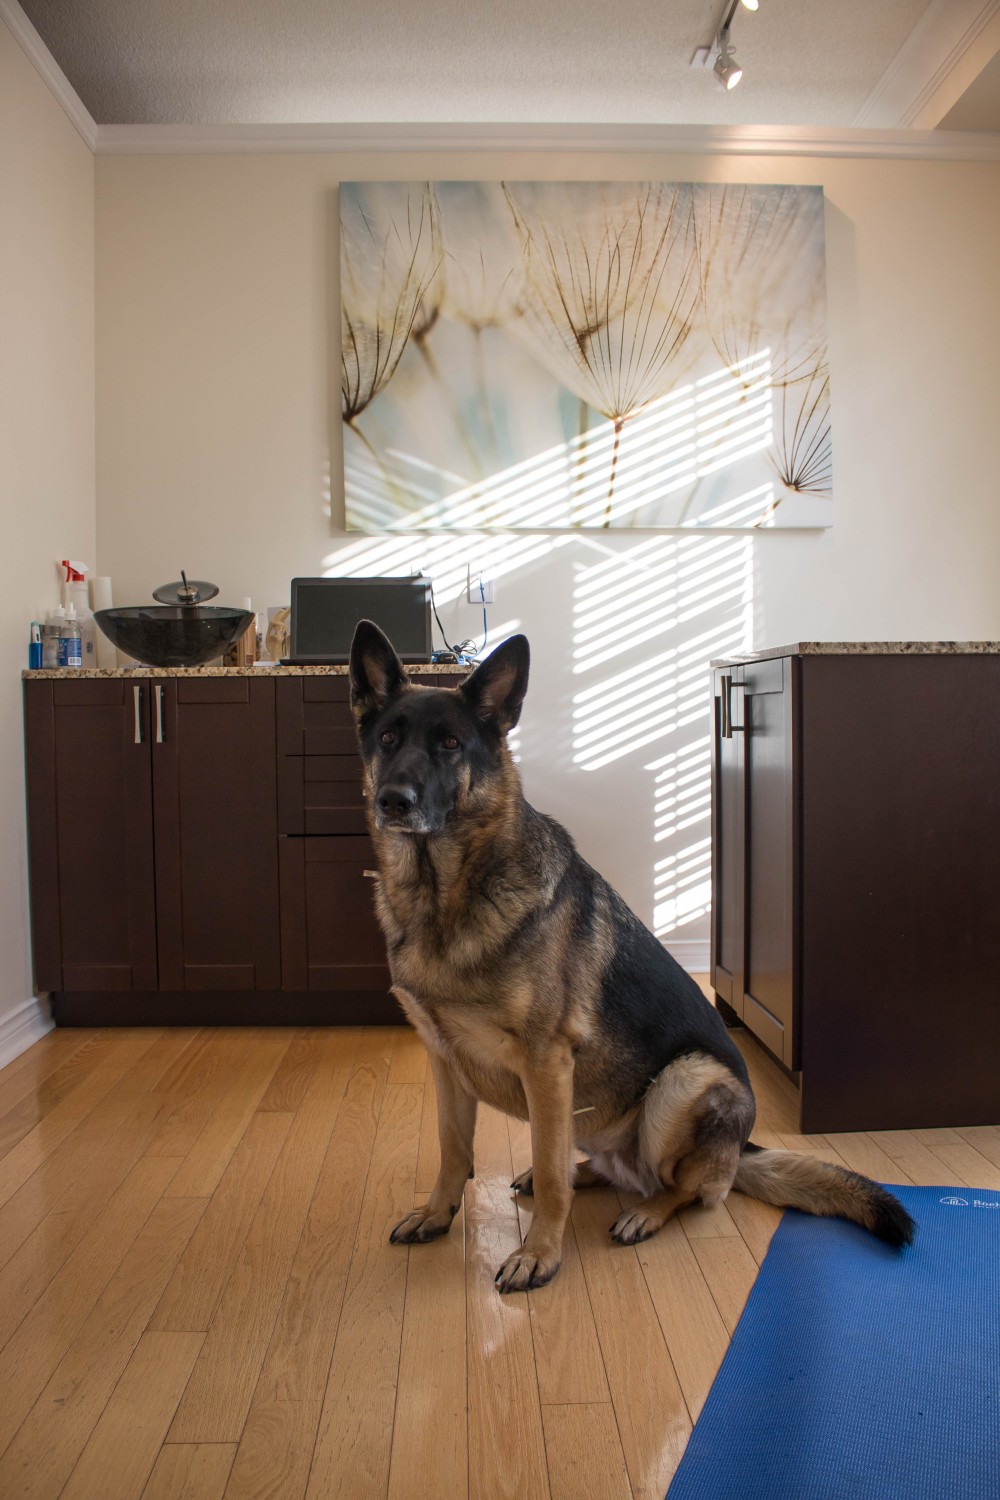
pixel 90 834
pixel 215 818
pixel 330 936
pixel 727 839
pixel 767 711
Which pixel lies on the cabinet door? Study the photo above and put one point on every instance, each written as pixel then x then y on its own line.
pixel 769 832
pixel 331 939
pixel 215 816
pixel 90 834
pixel 728 850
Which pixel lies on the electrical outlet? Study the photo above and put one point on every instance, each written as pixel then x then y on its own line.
pixel 480 589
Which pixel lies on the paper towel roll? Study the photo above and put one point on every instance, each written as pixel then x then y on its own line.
pixel 100 598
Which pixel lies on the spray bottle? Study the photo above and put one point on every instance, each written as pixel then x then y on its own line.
pixel 75 593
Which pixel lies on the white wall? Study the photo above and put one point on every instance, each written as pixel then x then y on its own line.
pixel 217 365
pixel 46 438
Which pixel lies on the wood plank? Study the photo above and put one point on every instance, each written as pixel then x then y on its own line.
pixel 584 1453
pixel 62 1364
pixel 506 1440
pixel 291 1081
pixel 189 1092
pixel 429 1432
pixel 903 1148
pixel 429 1150
pixel 568 1363
pixel 43 1222
pixel 693 1329
pixel 409 1057
pixel 190 1471
pixel 961 1162
pixel 218 1396
pixel 276 1447
pixel 862 1154
pixel 701 1223
pixel 202 1169
pixel 46 1137
pixel 193 1292
pixel 985 1139
pixel 24 1073
pixel 730 1271
pixel 652 1416
pixel 41 1089
pixel 351 1459
pixel 122 1450
pixel 755 1221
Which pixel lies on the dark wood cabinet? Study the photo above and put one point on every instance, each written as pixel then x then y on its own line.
pixel 152 834
pixel 199 851
pixel 856 866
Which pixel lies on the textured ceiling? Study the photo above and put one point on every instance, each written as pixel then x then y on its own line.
pixel 806 62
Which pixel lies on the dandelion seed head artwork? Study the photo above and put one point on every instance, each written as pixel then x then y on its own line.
pixel 522 355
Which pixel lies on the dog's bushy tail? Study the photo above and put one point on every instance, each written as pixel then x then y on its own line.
pixel 789 1180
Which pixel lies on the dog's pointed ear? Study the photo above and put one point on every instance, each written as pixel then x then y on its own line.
pixel 376 671
pixel 496 689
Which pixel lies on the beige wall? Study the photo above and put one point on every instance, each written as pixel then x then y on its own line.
pixel 216 452
pixel 46 432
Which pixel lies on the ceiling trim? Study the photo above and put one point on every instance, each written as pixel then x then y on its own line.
pixel 697 140
pixel 49 70
pixel 936 45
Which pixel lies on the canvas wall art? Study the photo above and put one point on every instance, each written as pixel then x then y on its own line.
pixel 522 355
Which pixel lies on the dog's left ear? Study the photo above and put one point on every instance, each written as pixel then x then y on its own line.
pixel 376 671
pixel 496 689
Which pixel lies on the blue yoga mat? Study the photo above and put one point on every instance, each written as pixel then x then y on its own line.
pixel 861 1371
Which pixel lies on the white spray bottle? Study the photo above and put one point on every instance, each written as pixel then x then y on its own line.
pixel 75 593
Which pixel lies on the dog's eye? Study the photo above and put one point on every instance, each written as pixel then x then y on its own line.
pixel 387 737
pixel 449 742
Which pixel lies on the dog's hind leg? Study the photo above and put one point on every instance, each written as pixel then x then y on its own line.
pixel 583 1175
pixel 456 1129
pixel 695 1120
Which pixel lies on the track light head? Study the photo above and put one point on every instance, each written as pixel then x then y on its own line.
pixel 727 69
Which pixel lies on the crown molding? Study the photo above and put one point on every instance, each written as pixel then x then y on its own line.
pixel 697 140
pixel 49 70
pixel 934 48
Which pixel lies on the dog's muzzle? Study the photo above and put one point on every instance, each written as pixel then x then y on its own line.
pixel 396 807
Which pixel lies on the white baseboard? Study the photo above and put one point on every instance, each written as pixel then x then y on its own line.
pixel 691 953
pixel 24 1027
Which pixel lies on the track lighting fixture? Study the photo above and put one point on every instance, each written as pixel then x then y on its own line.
pixel 727 69
pixel 719 56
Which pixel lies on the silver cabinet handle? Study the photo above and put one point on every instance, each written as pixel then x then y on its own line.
pixel 159 715
pixel 136 691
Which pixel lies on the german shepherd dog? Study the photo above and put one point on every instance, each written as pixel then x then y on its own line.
pixel 536 989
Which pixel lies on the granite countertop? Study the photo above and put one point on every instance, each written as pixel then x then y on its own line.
pixel 864 648
pixel 270 670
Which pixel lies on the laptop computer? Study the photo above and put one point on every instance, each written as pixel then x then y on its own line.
pixel 325 612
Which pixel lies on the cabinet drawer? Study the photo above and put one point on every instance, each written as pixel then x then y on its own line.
pixel 320 794
pixel 314 713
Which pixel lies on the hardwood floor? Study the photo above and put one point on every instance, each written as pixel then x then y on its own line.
pixel 198 1298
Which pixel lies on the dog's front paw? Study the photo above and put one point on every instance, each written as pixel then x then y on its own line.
pixel 525 1270
pixel 420 1226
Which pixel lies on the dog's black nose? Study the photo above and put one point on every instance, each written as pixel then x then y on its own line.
pixel 397 801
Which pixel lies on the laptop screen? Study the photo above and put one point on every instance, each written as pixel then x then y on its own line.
pixel 325 612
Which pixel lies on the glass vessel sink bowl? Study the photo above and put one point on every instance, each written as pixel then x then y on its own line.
pixel 173 635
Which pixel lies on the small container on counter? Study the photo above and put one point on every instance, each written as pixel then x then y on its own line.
pixel 35 647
